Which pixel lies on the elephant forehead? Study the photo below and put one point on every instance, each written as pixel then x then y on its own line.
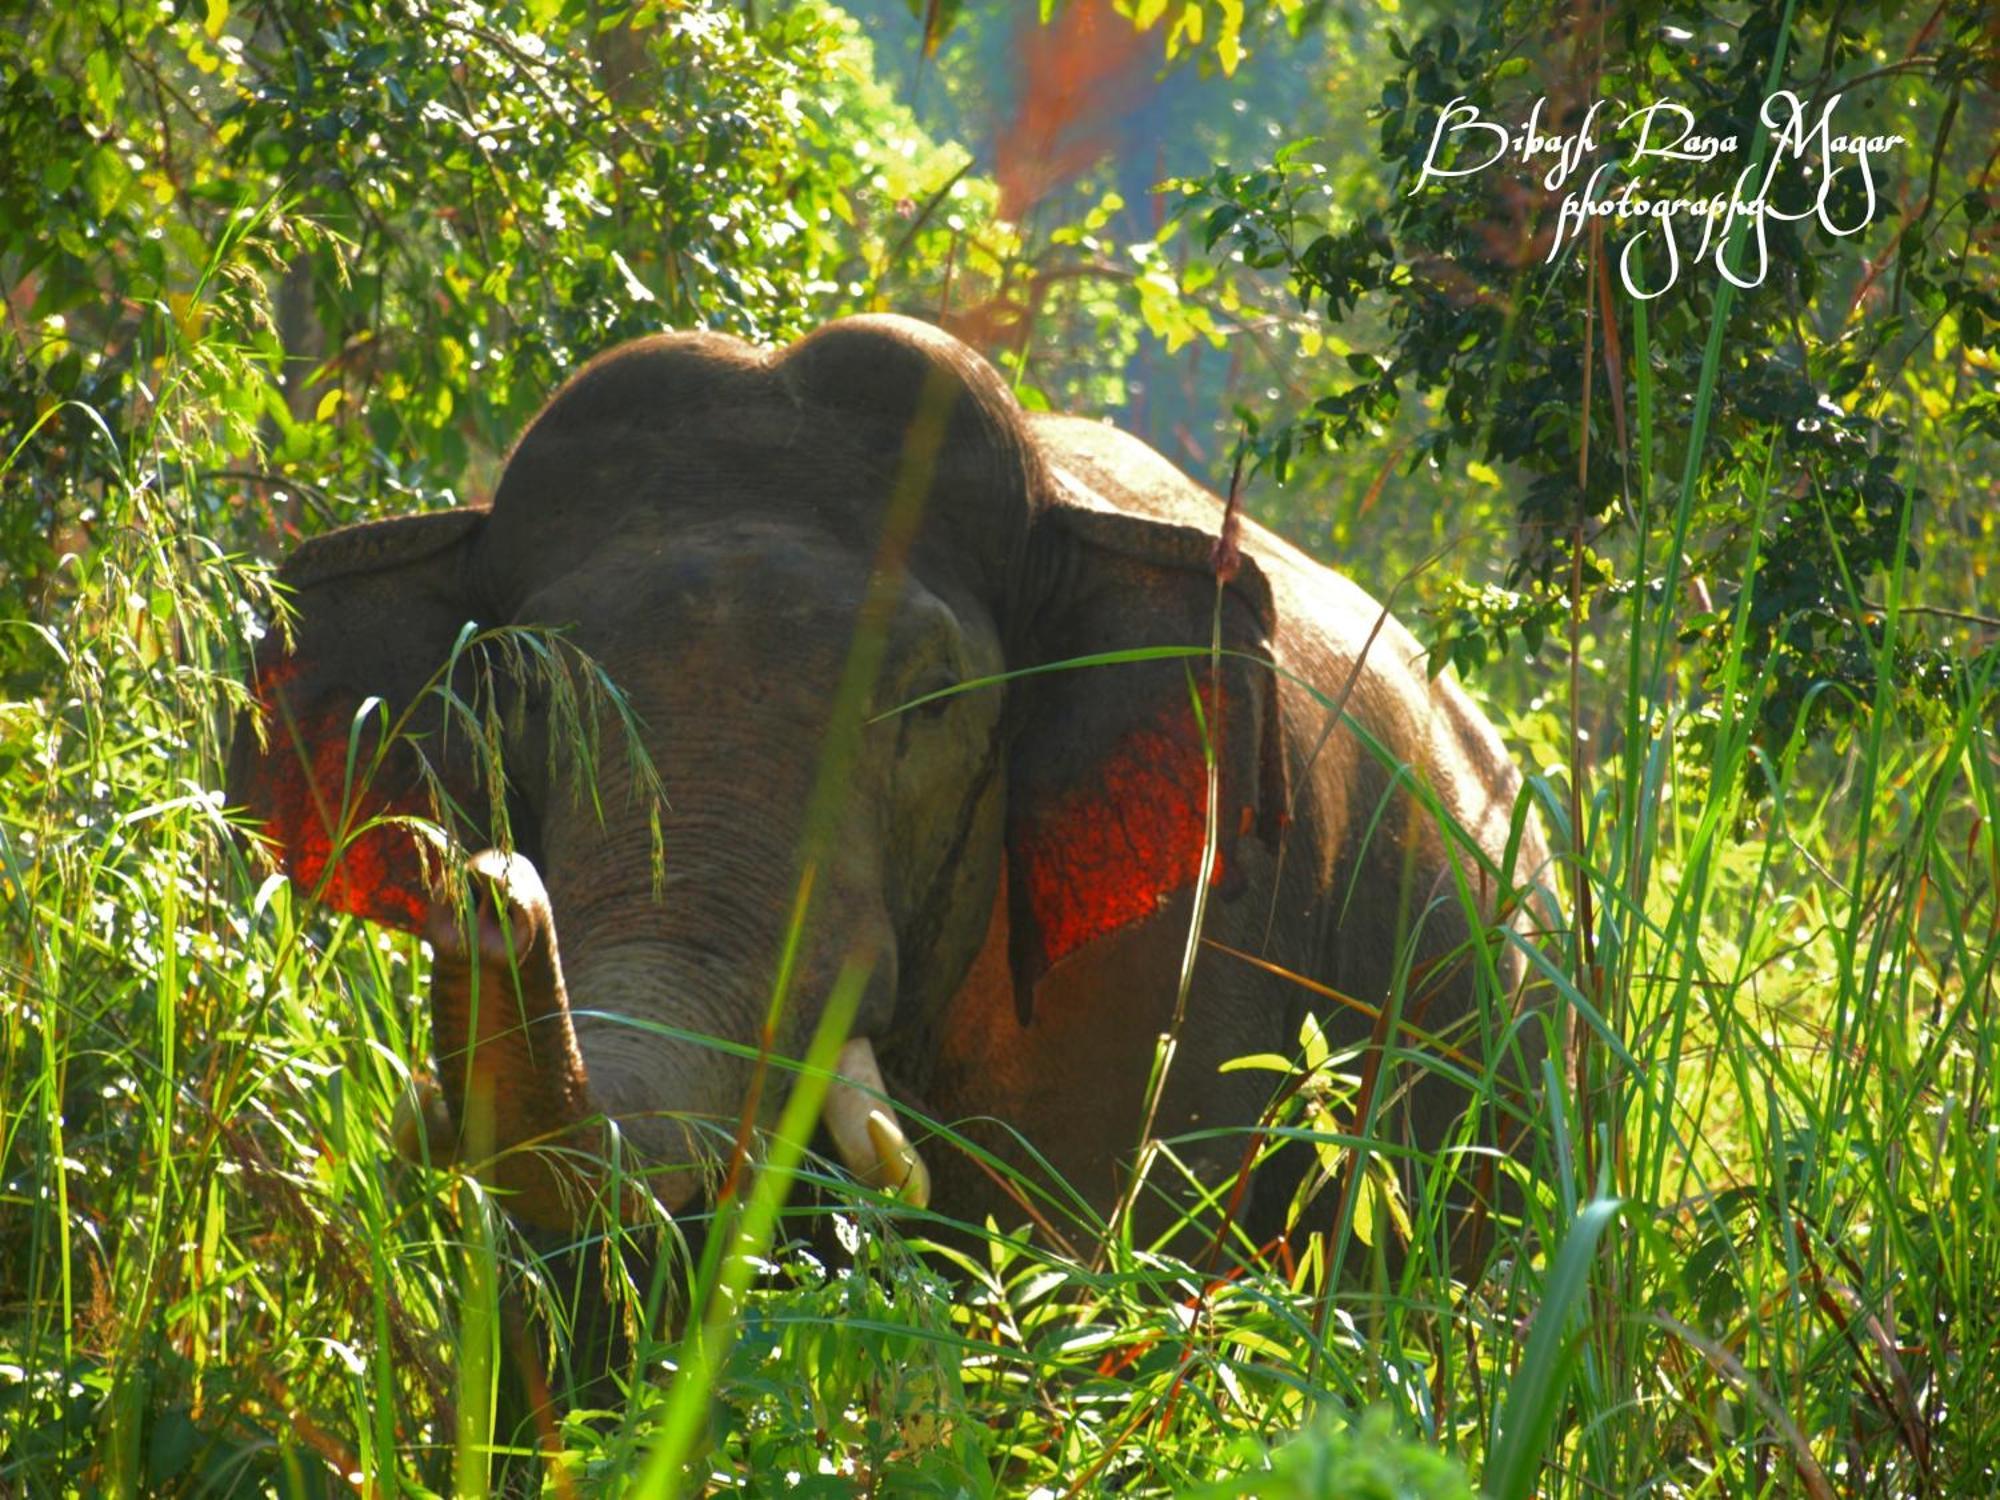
pixel 753 595
pixel 729 575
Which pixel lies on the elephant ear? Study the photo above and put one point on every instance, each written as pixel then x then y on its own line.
pixel 379 607
pixel 1107 777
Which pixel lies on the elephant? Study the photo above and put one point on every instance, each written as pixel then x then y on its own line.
pixel 1019 836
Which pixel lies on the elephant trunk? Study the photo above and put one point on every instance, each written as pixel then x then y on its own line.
pixel 676 1098
pixel 511 1057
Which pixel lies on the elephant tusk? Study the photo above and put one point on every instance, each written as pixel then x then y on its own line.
pixel 865 1131
pixel 910 1177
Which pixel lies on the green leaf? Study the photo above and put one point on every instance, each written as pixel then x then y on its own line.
pixel 171 1447
pixel 1540 1387
pixel 1229 48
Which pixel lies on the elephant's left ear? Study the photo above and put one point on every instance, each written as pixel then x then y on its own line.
pixel 1107 778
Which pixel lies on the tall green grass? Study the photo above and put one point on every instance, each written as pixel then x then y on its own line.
pixel 1756 1256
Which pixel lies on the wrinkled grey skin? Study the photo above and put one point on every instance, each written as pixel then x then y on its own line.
pixel 704 519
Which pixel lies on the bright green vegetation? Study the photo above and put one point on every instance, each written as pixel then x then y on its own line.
pixel 273 266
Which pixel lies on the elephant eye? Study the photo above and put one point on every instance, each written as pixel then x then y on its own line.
pixel 923 702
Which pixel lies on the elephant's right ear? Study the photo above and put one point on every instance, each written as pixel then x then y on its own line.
pixel 380 607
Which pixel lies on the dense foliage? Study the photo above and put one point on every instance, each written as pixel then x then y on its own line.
pixel 273 266
pixel 1819 343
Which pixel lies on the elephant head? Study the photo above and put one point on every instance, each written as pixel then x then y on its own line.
pixel 718 527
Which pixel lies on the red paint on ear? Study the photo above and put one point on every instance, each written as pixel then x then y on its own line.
pixel 379 874
pixel 1110 850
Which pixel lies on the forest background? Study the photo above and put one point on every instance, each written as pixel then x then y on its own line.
pixel 1721 564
